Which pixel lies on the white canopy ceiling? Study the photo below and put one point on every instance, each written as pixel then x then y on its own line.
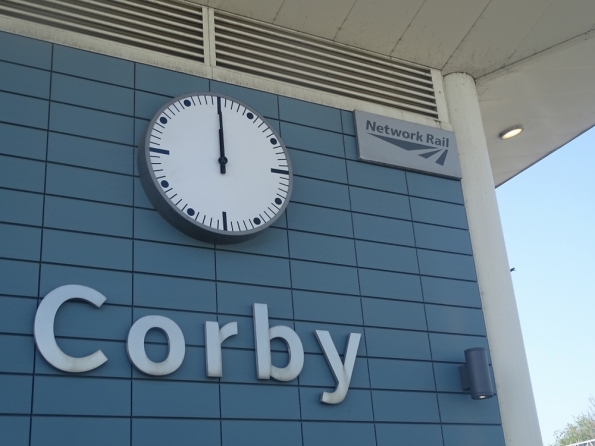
pixel 533 60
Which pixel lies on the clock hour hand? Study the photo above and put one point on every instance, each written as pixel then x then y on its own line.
pixel 222 158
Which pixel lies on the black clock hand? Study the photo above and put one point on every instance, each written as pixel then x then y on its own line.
pixel 222 158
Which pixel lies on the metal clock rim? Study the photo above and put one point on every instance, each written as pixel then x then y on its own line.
pixel 175 216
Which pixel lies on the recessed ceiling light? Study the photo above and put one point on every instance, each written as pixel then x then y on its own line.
pixel 511 132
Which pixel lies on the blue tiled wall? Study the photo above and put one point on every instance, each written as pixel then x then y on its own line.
pixel 362 249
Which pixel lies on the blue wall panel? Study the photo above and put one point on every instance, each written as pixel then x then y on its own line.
pixel 20 242
pixel 361 249
pixel 73 248
pixel 322 167
pixel 260 402
pixel 455 408
pixel 312 115
pixel 16 394
pixel 175 260
pixel 24 110
pixel 22 174
pixel 115 285
pixel 21 207
pixel 438 213
pixel 384 204
pixel 90 94
pixel 312 139
pixel 174 292
pixel 323 277
pixel 320 220
pixel 376 177
pixel 25 80
pixel 380 229
pixel 451 292
pixel 405 407
pixel 435 188
pixel 426 434
pixel 85 216
pixel 23 278
pixel 90 153
pixel 357 406
pixel 23 141
pixel 473 435
pixel 17 354
pixel 88 184
pixel 322 248
pixel 162 398
pixel 14 430
pixel 59 431
pixel 235 298
pixel 326 307
pixel 320 193
pixel 389 285
pixel 393 314
pixel 73 395
pixel 93 66
pixel 345 434
pixel 22 50
pixel 401 375
pixel 152 432
pixel 261 433
pixel 17 314
pixel 401 344
pixel 91 123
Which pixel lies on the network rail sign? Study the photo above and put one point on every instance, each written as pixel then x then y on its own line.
pixel 398 143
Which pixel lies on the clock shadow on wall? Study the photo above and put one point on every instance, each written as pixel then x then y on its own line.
pixel 214 168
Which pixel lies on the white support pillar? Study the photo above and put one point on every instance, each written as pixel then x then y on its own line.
pixel 509 361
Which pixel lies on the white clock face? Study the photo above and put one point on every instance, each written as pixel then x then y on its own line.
pixel 214 168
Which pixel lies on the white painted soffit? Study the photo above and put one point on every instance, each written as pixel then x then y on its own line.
pixel 551 95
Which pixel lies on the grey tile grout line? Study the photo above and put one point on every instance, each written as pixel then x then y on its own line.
pixel 298 384
pixel 41 245
pixel 132 306
pixel 427 327
pixel 360 295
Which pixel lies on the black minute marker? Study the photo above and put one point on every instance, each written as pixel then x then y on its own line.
pixel 224 221
pixel 162 151
pixel 282 172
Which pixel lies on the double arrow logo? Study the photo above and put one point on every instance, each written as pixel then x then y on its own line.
pixel 428 153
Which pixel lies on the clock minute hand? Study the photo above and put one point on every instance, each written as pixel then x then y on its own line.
pixel 222 158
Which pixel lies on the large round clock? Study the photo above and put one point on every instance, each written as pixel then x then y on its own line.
pixel 214 168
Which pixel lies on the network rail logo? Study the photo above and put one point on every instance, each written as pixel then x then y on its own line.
pixel 405 144
pixel 412 141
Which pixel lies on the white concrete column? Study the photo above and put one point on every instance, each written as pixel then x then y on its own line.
pixel 509 361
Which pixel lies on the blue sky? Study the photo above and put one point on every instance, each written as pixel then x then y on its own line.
pixel 548 215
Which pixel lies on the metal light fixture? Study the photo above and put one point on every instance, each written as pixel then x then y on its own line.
pixel 475 374
pixel 511 132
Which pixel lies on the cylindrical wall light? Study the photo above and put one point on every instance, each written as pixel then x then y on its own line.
pixel 475 374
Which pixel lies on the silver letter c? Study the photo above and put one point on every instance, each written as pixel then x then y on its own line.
pixel 44 328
